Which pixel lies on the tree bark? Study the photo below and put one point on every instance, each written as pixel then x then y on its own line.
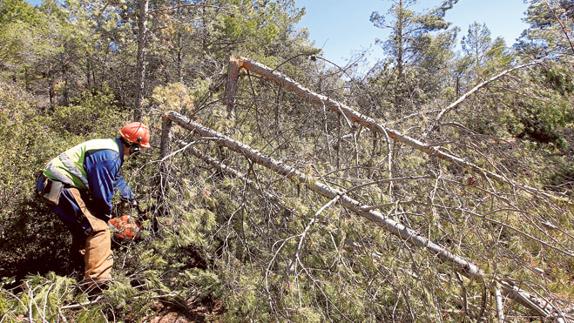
pixel 231 85
pixel 499 304
pixel 399 38
pixel 88 73
pixel 26 79
pixel 51 90
pixel 163 176
pixel 141 66
pixel 66 91
pixel 179 58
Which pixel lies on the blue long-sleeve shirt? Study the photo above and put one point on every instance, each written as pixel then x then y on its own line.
pixel 103 170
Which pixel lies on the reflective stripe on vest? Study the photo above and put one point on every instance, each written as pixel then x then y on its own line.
pixel 68 167
pixel 53 173
pixel 73 169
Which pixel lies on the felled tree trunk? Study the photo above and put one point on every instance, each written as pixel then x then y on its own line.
pixel 231 86
pixel 319 100
pixel 460 264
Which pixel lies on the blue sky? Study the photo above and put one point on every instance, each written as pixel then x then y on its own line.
pixel 342 27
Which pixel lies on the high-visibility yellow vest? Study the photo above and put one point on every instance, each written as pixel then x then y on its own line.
pixel 68 167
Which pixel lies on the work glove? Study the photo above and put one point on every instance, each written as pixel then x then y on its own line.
pixel 127 207
pixel 124 207
pixel 131 200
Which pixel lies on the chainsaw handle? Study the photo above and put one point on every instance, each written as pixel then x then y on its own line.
pixel 142 213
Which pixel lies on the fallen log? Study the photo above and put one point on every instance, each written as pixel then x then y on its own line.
pixel 319 100
pixel 460 264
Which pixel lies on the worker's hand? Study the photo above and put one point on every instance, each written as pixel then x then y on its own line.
pixel 127 206
pixel 132 202
pixel 123 207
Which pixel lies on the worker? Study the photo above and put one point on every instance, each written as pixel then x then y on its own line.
pixel 79 185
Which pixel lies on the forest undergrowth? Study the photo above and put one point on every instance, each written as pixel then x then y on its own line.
pixel 228 238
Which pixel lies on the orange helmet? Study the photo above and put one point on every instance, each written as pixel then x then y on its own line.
pixel 136 133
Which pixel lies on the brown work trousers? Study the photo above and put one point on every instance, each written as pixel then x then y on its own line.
pixel 98 258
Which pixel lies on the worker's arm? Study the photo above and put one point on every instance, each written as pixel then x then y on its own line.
pixel 124 188
pixel 102 167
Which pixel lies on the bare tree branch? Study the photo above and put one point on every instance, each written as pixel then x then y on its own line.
pixel 479 86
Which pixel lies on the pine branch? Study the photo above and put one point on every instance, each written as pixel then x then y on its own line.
pixel 461 265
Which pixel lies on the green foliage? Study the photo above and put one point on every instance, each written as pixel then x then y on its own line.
pixel 23 33
pixel 476 43
pixel 174 97
pixel 41 298
pixel 225 249
pixel 559 79
pixel 242 295
pixel 90 115
pixel 207 282
pixel 407 28
pixel 194 226
pixel 13 11
pixel 31 138
pixel 542 114
pixel 546 33
pixel 419 49
pixel 258 23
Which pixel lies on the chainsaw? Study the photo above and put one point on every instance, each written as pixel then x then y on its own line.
pixel 126 227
